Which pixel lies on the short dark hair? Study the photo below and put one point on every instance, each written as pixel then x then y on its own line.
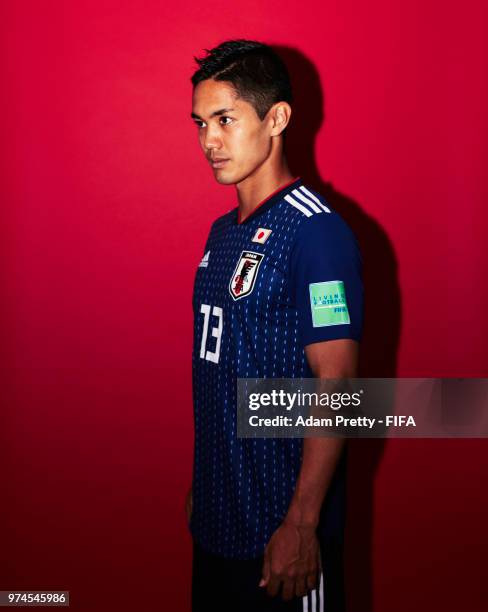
pixel 254 69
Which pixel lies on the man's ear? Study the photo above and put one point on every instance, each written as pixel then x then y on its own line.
pixel 279 115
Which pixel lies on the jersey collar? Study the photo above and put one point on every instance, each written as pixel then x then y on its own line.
pixel 269 201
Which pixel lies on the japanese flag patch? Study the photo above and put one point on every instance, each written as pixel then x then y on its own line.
pixel 261 235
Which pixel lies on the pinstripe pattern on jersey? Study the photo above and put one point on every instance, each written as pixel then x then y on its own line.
pixel 242 487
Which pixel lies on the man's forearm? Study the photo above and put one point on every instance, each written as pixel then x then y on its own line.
pixel 319 460
pixel 329 361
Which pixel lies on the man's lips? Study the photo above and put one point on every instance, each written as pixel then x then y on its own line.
pixel 218 162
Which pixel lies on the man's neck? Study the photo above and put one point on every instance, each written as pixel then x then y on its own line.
pixel 256 188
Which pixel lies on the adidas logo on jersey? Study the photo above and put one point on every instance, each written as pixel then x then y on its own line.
pixel 204 262
pixel 261 235
pixel 306 202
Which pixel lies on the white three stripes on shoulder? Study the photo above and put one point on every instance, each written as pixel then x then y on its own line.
pixel 298 206
pixel 314 198
pixel 306 202
pixel 311 203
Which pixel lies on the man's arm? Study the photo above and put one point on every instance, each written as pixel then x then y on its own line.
pixel 291 556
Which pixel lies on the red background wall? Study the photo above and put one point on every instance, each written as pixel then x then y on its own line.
pixel 107 202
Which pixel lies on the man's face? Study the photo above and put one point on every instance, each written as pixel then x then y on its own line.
pixel 233 138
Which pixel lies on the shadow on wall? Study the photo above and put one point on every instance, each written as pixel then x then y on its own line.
pixel 379 346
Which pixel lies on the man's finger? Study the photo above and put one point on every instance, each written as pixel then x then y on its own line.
pixel 266 571
pixel 273 586
pixel 288 589
pixel 311 580
pixel 300 587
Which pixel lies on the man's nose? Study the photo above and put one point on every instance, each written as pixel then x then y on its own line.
pixel 211 139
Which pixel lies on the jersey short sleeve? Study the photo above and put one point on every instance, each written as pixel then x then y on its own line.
pixel 326 280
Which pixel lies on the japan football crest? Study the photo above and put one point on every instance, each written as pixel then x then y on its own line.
pixel 244 277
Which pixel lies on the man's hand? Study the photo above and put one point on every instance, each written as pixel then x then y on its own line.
pixel 291 558
pixel 189 504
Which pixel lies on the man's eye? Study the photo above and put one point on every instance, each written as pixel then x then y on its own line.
pixel 198 123
pixel 225 120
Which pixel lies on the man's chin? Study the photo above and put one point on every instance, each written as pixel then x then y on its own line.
pixel 225 179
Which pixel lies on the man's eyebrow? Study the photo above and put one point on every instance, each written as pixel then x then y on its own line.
pixel 216 113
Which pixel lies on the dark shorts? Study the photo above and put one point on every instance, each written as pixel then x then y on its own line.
pixel 232 585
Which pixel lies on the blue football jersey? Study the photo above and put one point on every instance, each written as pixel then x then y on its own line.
pixel 286 276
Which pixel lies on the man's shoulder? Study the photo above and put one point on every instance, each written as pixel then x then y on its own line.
pixel 315 216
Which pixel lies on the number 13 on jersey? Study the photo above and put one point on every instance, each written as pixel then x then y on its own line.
pixel 217 312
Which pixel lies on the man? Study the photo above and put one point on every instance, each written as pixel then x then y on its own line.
pixel 266 515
